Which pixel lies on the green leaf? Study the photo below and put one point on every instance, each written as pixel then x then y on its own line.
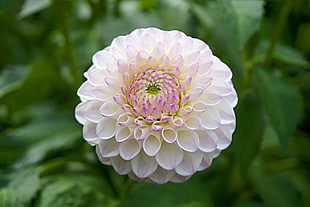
pixel 249 15
pixel 249 132
pixel 12 78
pixel 6 3
pixel 277 190
pixel 236 20
pixel 192 192
pixel 26 183
pixel 46 136
pixel 22 188
pixel 8 198
pixel 282 100
pixel 227 26
pixel 73 192
pixel 282 53
pixel 32 6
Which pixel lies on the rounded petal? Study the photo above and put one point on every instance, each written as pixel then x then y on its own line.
pixel 108 148
pixel 169 134
pixel 190 163
pixel 161 175
pixel 123 133
pixel 120 165
pixel 89 133
pixel 151 145
pixel 129 149
pixel 207 140
pixel 207 159
pixel 169 156
pixel 109 109
pixel 210 119
pixel 106 128
pixel 188 140
pixel 143 165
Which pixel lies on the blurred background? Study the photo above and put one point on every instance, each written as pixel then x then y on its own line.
pixel 46 45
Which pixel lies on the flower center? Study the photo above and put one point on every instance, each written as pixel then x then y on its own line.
pixel 153 89
pixel 154 92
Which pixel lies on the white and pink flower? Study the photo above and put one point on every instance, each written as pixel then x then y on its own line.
pixel 158 105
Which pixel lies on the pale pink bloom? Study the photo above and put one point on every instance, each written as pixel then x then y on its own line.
pixel 158 105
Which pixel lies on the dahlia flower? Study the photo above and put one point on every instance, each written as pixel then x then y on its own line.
pixel 158 105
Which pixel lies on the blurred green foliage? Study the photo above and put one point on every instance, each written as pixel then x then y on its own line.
pixel 45 45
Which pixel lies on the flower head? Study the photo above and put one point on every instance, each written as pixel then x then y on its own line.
pixel 158 105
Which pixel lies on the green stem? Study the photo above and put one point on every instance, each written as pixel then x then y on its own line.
pixel 278 30
pixel 68 43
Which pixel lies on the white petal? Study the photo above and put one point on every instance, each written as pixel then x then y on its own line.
pixel 113 82
pixel 102 92
pixel 104 60
pixel 196 92
pixel 79 112
pixel 106 128
pixel 169 134
pixel 188 140
pixel 151 145
pixel 176 178
pixel 88 110
pixel 161 176
pixel 220 70
pixel 143 165
pixel 125 119
pixel 89 133
pixel 210 119
pixel 169 156
pixel 199 106
pixel 129 149
pixel 224 133
pixel 211 99
pixel 207 159
pixel 96 76
pixel 220 87
pixel 207 140
pixel 123 133
pixel 175 50
pixel 190 163
pixel 192 122
pixel 140 133
pixel 110 109
pixel 118 52
pixel 85 90
pixel 226 112
pixel 108 148
pixel 122 167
